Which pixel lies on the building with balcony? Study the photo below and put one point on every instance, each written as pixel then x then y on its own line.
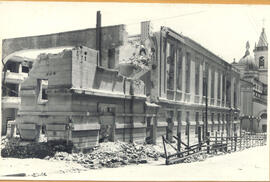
pixel 15 71
pixel 253 86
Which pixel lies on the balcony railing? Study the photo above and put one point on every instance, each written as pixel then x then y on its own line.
pixel 11 102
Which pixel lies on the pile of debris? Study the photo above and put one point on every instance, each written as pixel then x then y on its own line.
pixel 111 155
pixel 15 147
pixel 138 56
pixel 139 61
pixel 196 158
pixel 107 154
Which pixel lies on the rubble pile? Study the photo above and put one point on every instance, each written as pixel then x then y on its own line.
pixel 107 154
pixel 140 57
pixel 111 155
pixel 196 158
pixel 15 147
pixel 139 61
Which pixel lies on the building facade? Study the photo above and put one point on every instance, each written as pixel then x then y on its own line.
pixel 253 71
pixel 182 65
pixel 140 88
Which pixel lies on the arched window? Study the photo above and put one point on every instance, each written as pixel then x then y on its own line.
pixel 261 62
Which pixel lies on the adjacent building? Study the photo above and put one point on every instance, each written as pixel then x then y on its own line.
pixel 253 86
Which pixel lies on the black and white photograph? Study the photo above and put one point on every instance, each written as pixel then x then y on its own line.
pixel 134 91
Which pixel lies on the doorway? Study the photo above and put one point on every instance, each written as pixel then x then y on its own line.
pixel 107 125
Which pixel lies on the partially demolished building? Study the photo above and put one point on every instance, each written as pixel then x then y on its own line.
pixel 128 88
pixel 14 72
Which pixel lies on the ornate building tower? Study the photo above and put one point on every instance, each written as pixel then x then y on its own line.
pixel 261 56
pixel 253 86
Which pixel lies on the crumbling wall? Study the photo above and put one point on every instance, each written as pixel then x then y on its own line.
pixel 67 94
pixel 112 37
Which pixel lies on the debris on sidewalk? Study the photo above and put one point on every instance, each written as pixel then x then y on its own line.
pixel 17 148
pixel 107 154
pixel 195 158
pixel 111 155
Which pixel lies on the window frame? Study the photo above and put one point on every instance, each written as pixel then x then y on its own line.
pixel 42 87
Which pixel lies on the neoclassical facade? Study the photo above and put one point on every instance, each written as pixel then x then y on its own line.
pixel 180 87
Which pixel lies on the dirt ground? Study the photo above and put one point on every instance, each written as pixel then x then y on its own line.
pixel 250 164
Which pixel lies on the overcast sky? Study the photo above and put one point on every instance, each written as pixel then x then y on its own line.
pixel 223 29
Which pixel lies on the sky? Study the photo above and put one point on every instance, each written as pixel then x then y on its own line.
pixel 223 29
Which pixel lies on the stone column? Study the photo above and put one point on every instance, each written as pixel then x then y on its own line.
pixel 19 71
pixel 238 94
pixel 201 81
pixel 221 75
pixel 163 66
pixel 225 89
pixel 232 91
pixel 216 87
pixel 175 71
pixel 184 75
pixel 209 84
pixel 192 79
pixel 19 67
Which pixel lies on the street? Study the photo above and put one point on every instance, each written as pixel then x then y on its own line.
pixel 250 164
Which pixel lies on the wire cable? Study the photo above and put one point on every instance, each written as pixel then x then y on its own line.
pixel 170 17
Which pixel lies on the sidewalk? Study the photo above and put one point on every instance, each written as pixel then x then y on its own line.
pixel 250 164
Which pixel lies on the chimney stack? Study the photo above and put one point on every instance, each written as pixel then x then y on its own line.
pixel 98 37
